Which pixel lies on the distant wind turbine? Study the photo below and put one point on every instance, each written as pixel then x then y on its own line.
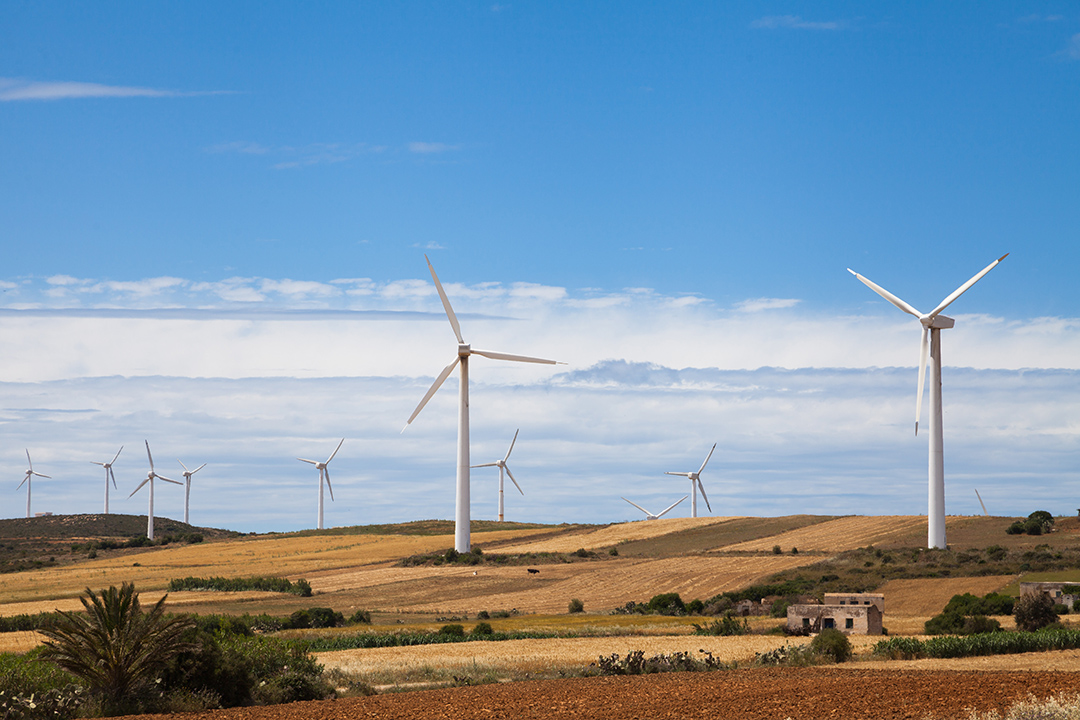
pixel 695 484
pixel 501 464
pixel 187 485
pixel 109 475
pixel 462 541
pixel 657 516
pixel 981 502
pixel 150 477
pixel 932 325
pixel 30 474
pixel 324 472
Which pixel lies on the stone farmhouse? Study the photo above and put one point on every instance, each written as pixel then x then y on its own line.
pixel 1056 591
pixel 850 613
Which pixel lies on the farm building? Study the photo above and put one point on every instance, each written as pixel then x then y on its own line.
pixel 850 613
pixel 1061 593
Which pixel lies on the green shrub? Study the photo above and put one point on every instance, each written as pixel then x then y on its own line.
pixel 667 604
pixel 483 615
pixel 482 628
pixel 776 550
pixel 454 630
pixel 694 607
pixel 360 617
pixel 576 606
pixel 613 551
pixel 727 625
pixel 832 643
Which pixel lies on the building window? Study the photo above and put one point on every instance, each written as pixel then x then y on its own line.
pixel 829 623
pixel 841 602
pixel 849 623
pixel 806 622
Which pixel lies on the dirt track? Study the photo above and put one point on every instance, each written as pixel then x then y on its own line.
pixel 797 693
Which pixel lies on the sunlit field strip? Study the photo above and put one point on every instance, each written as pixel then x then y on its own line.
pixel 613 535
pixel 838 535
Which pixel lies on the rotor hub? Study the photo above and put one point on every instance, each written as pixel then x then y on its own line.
pixel 464 350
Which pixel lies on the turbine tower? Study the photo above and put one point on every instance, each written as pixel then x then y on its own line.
pixel 324 472
pixel 150 477
pixel 657 516
pixel 109 475
pixel 501 464
pixel 695 484
pixel 187 485
pixel 462 541
pixel 930 341
pixel 30 473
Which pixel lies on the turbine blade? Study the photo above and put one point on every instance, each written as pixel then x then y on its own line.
pixel 28 460
pixel 174 482
pixel 140 486
pixel 703 495
pixel 198 468
pixel 924 351
pixel 671 506
pixel 328 485
pixel 40 475
pixel 514 481
pixel 95 462
pixel 182 464
pixel 335 451
pixel 148 455
pixel 512 445
pixel 707 458
pixel 485 465
pixel 117 454
pixel 445 302
pixel 517 358
pixel 964 288
pixel 307 461
pixel 431 391
pixel 23 482
pixel 679 474
pixel 113 476
pixel 638 506
pixel 981 502
pixel 886 294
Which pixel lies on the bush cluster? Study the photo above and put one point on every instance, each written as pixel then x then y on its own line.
pixel 727 625
pixel 1037 523
pixel 967 615
pixel 136 541
pixel 635 663
pixel 265 584
pixel 999 643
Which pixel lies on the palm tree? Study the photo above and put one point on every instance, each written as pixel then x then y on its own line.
pixel 115 647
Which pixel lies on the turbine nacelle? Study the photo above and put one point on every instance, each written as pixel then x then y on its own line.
pixel 464 350
pixel 938 322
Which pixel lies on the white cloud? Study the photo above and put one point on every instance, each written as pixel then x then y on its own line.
pixel 760 304
pixel 773 22
pixel 12 89
pixel 1073 49
pixel 429 148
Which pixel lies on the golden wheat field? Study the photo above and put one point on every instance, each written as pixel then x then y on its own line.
pixel 847 533
pixel 600 585
pixel 535 655
pixel 280 556
pixel 614 534
pixel 926 597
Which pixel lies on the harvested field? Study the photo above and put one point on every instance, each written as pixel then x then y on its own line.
pixel 600 585
pixel 19 641
pixel 927 597
pixel 284 556
pixel 613 535
pixel 521 656
pixel 759 694
pixel 847 533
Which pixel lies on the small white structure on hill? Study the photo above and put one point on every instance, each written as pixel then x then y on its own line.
pixel 850 613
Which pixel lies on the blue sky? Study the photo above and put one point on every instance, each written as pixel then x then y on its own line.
pixel 236 199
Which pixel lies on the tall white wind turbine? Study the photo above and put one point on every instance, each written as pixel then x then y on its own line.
pixel 695 484
pixel 30 474
pixel 501 464
pixel 187 485
pixel 657 516
pixel 930 342
pixel 324 473
pixel 462 542
pixel 150 477
pixel 109 475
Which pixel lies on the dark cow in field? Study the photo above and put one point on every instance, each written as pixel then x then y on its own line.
pixel 533 571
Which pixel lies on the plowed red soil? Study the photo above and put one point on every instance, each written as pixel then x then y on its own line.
pixel 773 693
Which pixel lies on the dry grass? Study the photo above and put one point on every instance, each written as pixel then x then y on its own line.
pixel 285 556
pixel 928 596
pixel 847 533
pixel 600 585
pixel 1056 660
pixel 519 656
pixel 19 641
pixel 613 535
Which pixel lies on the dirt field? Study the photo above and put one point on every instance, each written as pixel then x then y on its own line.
pixel 614 534
pixel 772 694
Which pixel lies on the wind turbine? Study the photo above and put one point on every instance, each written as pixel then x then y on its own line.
pixel 501 464
pixel 109 475
pixel 324 472
pixel 695 484
pixel 187 485
pixel 150 477
pixel 462 541
pixel 30 473
pixel 981 502
pixel 657 516
pixel 930 340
